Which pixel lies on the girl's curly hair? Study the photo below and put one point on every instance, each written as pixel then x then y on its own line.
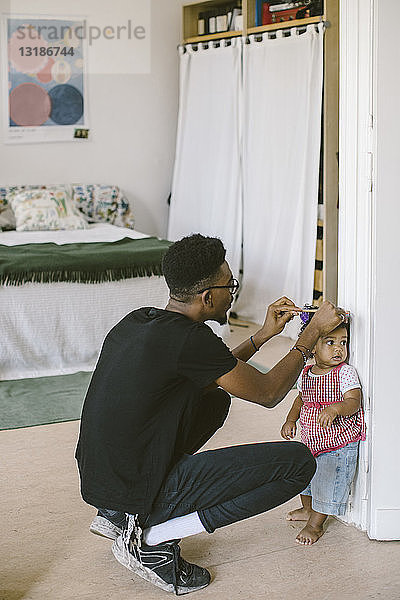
pixel 345 325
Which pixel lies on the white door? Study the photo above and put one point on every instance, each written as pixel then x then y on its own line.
pixel 369 246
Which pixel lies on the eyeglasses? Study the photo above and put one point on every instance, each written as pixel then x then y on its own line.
pixel 233 287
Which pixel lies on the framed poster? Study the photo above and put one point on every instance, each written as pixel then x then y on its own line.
pixel 44 79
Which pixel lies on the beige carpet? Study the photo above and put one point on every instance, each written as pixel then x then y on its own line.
pixel 47 552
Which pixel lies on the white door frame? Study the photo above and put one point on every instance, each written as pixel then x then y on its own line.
pixel 355 243
pixel 369 247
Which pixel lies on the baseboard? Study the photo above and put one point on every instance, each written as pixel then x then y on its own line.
pixel 385 524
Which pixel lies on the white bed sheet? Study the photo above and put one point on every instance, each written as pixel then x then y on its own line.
pixel 98 232
pixel 58 328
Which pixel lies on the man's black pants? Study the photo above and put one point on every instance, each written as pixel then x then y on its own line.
pixel 229 484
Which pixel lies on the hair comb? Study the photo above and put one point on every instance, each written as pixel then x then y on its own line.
pixel 308 311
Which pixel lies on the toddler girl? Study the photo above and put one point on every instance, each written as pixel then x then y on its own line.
pixel 332 424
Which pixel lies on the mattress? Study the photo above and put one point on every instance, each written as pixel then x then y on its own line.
pixel 58 328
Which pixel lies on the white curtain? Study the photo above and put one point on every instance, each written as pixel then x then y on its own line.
pixel 282 135
pixel 206 190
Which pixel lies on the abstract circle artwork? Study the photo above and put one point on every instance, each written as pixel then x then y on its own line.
pixel 27 61
pixel 30 105
pixel 66 104
pixel 61 71
pixel 45 78
pixel 45 75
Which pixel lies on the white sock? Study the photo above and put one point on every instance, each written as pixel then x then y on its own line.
pixel 179 527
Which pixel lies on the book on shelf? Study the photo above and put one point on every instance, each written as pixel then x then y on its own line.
pixel 201 24
pixel 314 6
pixel 285 5
pixel 222 23
pixel 218 20
pixel 212 22
pixel 289 11
pixel 259 12
pixel 237 20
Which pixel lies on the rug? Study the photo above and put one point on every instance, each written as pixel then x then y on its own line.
pixel 43 400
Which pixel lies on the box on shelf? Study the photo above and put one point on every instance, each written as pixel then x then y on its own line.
pixel 222 22
pixel 227 17
pixel 201 24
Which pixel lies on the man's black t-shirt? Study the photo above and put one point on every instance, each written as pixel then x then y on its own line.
pixel 141 404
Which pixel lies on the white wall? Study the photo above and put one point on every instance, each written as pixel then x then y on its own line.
pixel 132 141
pixel 355 215
pixel 385 480
pixel 369 250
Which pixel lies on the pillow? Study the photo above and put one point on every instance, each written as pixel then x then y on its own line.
pixel 5 192
pixel 7 218
pixel 103 204
pixel 3 197
pixel 10 190
pixel 45 209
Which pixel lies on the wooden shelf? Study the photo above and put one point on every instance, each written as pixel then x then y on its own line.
pixel 213 36
pixel 190 21
pixel 191 14
pixel 285 25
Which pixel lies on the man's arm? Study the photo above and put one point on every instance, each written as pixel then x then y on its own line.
pixel 268 389
pixel 279 313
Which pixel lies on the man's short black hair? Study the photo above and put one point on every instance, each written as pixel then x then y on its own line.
pixel 192 264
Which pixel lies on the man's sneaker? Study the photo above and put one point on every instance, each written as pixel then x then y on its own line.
pixel 108 524
pixel 161 565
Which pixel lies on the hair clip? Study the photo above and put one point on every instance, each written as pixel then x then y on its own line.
pixel 309 310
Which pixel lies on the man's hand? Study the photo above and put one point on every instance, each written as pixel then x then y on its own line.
pixel 327 416
pixel 288 430
pixel 279 313
pixel 327 318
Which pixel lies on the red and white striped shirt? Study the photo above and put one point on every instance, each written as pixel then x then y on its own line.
pixel 318 391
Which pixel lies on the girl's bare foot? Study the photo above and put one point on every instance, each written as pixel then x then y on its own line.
pixel 300 514
pixel 309 535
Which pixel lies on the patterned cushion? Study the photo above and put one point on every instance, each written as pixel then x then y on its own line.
pixel 7 218
pixel 3 197
pixel 45 209
pixel 7 191
pixel 103 203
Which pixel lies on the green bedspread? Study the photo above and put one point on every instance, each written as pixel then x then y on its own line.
pixel 93 262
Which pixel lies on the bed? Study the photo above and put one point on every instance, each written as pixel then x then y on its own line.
pixel 57 327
